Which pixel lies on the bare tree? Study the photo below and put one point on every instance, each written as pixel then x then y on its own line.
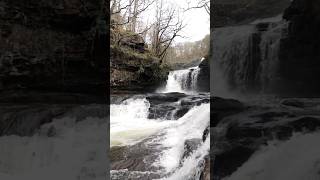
pixel 166 28
pixel 128 11
pixel 199 4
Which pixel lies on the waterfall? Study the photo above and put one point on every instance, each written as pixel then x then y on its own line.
pixel 247 56
pixel 130 125
pixel 182 80
pixel 148 123
pixel 64 149
pixel 295 159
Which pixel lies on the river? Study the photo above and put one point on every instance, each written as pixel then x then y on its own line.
pixel 161 135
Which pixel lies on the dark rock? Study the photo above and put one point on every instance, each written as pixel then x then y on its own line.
pixel 244 132
pixel 53 46
pixel 29 119
pixel 135 42
pixel 161 111
pixel 300 51
pixel 220 108
pixel 227 162
pixel 293 103
pixel 51 131
pixel 231 13
pixel 205 175
pixel 137 157
pixel 203 82
pixel 218 103
pixel 205 134
pixel 166 105
pixel 134 68
pixel 308 124
pixel 25 120
pixel 190 146
pixel 181 112
pixel 163 98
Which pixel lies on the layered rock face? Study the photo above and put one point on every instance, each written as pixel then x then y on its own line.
pixel 229 12
pixel 133 67
pixel 300 50
pixel 53 46
pixel 204 76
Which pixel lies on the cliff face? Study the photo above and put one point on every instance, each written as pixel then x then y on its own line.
pixel 53 45
pixel 132 66
pixel 204 76
pixel 229 12
pixel 300 50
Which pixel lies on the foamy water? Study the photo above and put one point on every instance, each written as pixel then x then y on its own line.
pixel 295 159
pixel 76 151
pixel 184 81
pixel 130 124
pixel 190 126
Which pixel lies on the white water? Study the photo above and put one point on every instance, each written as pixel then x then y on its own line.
pixel 295 159
pixel 130 124
pixel 231 47
pixel 190 126
pixel 234 60
pixel 184 81
pixel 77 151
pixel 193 165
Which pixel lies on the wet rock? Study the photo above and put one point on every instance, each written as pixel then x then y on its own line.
pixel 52 131
pixel 221 108
pixel 244 132
pixel 308 124
pixel 293 103
pixel 164 98
pixel 226 104
pixel 161 111
pixel 205 134
pixel 137 157
pixel 167 106
pixel 271 116
pixel 229 161
pixel 205 175
pixel 25 120
pixel 190 146
pixel 181 112
pixel 203 81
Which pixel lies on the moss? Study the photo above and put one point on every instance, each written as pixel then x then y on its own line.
pixel 128 53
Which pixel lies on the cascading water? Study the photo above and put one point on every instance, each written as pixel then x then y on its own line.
pixel 295 159
pixel 182 80
pixel 247 56
pixel 163 137
pixel 67 148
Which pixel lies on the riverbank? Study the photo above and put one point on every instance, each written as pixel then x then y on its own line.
pixel 160 134
pixel 244 132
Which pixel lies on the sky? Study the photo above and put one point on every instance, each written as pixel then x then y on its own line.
pixel 197 21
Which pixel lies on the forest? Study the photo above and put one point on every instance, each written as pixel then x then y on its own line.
pixel 152 26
